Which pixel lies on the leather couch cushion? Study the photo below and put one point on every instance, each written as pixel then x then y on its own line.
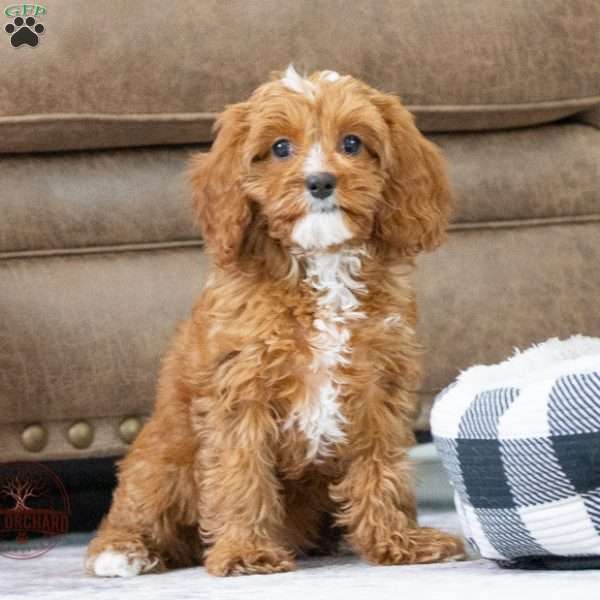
pixel 550 172
pixel 86 201
pixel 155 73
pixel 82 335
pixel 100 198
pixel 519 285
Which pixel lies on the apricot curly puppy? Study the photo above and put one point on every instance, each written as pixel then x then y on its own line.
pixel 286 395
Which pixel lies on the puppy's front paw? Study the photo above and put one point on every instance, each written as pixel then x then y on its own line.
pixel 429 545
pixel 126 559
pixel 239 559
pixel 412 546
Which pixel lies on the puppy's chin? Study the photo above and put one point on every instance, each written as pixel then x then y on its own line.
pixel 318 230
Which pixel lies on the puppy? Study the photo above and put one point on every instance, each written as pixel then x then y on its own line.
pixel 286 398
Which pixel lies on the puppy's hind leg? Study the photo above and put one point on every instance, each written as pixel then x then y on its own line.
pixel 151 525
pixel 123 544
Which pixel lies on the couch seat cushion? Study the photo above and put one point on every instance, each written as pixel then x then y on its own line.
pixel 139 196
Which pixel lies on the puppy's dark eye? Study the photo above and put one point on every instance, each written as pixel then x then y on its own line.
pixel 282 148
pixel 351 144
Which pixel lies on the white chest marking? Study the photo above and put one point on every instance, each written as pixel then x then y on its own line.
pixel 318 230
pixel 333 277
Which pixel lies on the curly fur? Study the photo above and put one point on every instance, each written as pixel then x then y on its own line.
pixel 285 399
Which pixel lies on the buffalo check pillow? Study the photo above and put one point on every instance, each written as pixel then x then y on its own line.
pixel 521 445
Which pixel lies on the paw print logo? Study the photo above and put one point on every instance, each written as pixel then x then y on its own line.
pixel 24 31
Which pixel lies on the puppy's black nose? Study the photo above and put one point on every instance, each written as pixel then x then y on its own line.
pixel 320 185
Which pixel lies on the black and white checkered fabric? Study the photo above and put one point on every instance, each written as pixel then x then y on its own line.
pixel 524 462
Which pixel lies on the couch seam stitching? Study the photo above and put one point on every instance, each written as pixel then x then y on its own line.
pixel 210 115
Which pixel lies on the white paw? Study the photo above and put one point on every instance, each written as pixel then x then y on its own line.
pixel 117 564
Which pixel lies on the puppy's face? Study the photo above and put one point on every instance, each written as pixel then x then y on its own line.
pixel 320 162
pixel 315 150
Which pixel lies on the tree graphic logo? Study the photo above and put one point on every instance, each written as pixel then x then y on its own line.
pixel 34 510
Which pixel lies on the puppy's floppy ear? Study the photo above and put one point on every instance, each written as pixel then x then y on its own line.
pixel 222 208
pixel 417 199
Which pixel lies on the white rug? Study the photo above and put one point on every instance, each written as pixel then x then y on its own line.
pixel 59 575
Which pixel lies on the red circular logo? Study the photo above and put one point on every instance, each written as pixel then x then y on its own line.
pixel 34 509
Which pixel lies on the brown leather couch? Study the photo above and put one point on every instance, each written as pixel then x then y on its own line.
pixel 98 254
